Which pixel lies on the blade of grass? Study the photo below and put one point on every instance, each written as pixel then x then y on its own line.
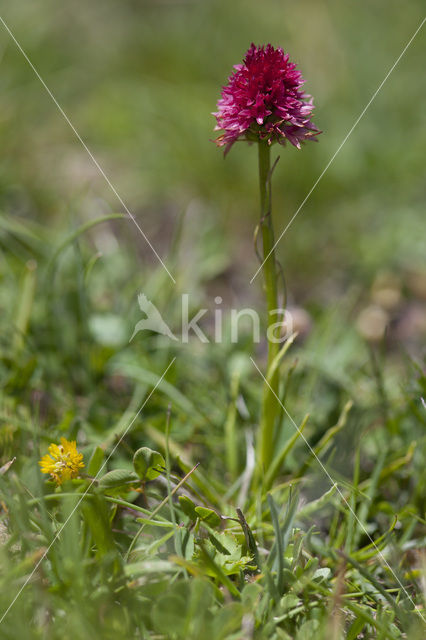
pixel 78 232
pixel 351 520
pixel 370 493
pixel 177 533
pixel 401 613
pixel 278 542
pixel 230 426
pixel 280 458
pixel 326 439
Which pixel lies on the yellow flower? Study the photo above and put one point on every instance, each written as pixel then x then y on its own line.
pixel 62 462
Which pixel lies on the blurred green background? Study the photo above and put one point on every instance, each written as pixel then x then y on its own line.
pixel 139 80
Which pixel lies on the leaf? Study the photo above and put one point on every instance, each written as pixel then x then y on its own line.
pixel 216 542
pixel 118 479
pixel 95 462
pixel 188 507
pixel 322 574
pixel 212 568
pixel 147 463
pixel 188 545
pixel 169 613
pixel 208 515
pixel 95 513
pixel 249 537
pixel 227 621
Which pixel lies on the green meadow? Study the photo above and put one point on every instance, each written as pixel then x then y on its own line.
pixel 111 188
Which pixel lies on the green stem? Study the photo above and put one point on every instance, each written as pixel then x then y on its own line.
pixel 270 405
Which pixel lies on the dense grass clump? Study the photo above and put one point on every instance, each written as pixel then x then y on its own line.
pixel 168 545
